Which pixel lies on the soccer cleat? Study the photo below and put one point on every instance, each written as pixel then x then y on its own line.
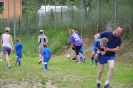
pixel 84 59
pixel 107 86
pixel 79 62
pixel 39 62
pixel 95 64
pixel 74 58
pixel 91 61
pixel 98 85
pixel 9 67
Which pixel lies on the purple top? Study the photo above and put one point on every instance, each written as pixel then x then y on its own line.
pixel 74 38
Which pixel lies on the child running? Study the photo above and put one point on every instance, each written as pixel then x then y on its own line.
pixel 18 48
pixel 98 45
pixel 46 54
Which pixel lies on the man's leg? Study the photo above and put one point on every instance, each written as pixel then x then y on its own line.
pixel 40 56
pixel 7 60
pixel 99 74
pixel 110 72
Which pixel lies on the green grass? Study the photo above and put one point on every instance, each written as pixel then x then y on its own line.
pixel 63 72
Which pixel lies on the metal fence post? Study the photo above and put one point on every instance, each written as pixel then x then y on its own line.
pixel 14 18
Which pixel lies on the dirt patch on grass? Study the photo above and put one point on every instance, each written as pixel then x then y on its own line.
pixel 27 85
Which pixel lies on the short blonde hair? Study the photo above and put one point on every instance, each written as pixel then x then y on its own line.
pixel 7 29
pixel 18 40
pixel 41 31
pixel 70 31
pixel 104 40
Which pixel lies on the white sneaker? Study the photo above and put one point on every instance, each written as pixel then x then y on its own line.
pixel 79 62
pixel 1 60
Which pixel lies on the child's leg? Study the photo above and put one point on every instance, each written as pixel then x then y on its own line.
pixel 96 59
pixel 92 57
pixel 46 63
pixel 19 61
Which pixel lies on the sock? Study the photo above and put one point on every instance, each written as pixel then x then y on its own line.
pixel 92 58
pixel 81 59
pixel 98 81
pixel 19 62
pixel 96 61
pixel 46 65
pixel 9 65
pixel 106 82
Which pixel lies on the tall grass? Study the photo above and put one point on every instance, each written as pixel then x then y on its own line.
pixel 56 41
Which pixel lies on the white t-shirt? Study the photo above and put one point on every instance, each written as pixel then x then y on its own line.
pixel 6 40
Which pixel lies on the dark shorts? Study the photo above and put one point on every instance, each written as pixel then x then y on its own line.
pixel 6 50
pixel 77 49
pixel 103 58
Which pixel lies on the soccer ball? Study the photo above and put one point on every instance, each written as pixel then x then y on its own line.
pixel 68 56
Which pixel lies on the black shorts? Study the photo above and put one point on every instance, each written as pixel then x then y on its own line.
pixel 77 49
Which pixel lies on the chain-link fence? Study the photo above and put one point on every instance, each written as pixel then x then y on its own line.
pixel 92 16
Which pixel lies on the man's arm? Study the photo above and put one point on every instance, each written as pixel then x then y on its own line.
pixel 96 36
pixel 46 40
pixel 113 49
pixel 102 52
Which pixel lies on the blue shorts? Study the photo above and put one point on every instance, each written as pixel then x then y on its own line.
pixel 19 55
pixel 45 59
pixel 103 58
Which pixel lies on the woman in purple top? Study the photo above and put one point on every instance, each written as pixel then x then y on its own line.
pixel 75 41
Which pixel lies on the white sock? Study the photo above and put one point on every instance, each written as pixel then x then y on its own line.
pixel 106 82
pixel 98 81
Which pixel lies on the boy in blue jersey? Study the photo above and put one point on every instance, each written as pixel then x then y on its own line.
pixel 98 44
pixel 18 48
pixel 46 54
pixel 113 46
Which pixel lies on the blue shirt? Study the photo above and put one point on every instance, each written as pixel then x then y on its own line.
pixel 46 52
pixel 97 45
pixel 112 43
pixel 18 48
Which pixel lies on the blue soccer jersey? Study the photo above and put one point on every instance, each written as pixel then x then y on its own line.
pixel 46 53
pixel 97 45
pixel 18 48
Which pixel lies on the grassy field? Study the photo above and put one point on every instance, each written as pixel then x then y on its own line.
pixel 63 73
